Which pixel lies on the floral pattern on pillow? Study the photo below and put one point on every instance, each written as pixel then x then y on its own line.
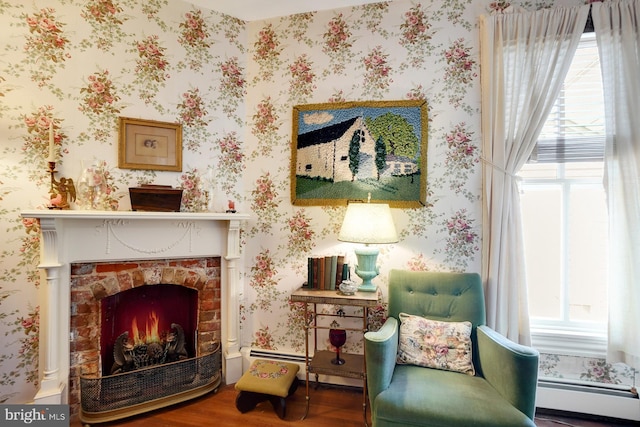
pixel 435 344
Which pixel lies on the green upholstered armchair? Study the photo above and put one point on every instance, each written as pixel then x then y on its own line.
pixel 501 393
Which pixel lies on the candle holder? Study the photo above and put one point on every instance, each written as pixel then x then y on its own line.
pixel 61 192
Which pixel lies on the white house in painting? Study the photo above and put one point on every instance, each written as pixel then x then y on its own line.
pixel 324 153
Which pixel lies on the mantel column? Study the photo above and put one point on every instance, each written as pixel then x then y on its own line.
pixel 233 358
pixel 51 387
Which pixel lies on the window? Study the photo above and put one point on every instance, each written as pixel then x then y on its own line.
pixel 564 216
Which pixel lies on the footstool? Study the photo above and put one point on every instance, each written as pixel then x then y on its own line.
pixel 267 380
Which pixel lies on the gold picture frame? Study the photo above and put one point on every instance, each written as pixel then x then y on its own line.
pixel 149 145
pixel 346 151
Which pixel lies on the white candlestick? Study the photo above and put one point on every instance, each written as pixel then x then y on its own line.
pixel 52 145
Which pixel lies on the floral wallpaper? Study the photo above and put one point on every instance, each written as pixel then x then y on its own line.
pixel 79 65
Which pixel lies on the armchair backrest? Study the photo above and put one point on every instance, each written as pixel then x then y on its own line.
pixel 449 297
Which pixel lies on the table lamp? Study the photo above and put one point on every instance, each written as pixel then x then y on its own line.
pixel 368 223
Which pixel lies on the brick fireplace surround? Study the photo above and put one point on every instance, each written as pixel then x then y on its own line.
pixel 126 249
pixel 91 282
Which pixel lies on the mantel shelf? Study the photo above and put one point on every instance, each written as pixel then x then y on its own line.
pixel 93 214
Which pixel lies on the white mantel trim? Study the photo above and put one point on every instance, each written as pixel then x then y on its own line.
pixel 84 236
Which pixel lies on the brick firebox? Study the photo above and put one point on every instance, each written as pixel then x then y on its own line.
pixel 91 282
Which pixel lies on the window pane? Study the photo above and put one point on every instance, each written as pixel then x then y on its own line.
pixel 543 249
pixel 587 254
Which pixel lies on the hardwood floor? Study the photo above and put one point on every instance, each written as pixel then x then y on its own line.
pixel 330 406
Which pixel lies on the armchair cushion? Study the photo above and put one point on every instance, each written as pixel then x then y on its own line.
pixel 430 397
pixel 435 344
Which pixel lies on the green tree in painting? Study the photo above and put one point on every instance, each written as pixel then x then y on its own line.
pixel 354 154
pixel 397 134
pixel 381 155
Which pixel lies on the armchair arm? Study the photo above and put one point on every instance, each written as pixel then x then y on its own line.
pixel 512 369
pixel 381 348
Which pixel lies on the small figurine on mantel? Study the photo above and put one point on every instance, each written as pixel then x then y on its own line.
pixel 61 193
pixel 232 207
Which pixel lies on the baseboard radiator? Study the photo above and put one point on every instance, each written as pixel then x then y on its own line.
pixel 588 398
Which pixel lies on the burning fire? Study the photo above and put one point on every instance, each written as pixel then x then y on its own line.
pixel 150 334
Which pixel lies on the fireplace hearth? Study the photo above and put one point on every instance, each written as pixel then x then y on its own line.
pixel 113 397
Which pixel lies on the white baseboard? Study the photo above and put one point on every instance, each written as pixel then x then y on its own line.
pixel 583 399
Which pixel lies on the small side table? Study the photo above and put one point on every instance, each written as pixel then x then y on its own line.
pixel 320 362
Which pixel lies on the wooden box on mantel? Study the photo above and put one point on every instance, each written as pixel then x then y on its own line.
pixel 155 198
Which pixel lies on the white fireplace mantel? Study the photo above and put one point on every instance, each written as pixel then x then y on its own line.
pixel 96 236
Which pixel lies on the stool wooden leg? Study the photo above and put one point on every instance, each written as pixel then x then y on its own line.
pixel 247 400
pixel 279 405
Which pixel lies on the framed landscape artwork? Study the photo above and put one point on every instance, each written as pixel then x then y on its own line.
pixel 148 144
pixel 348 151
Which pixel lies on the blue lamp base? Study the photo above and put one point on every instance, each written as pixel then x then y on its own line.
pixel 367 269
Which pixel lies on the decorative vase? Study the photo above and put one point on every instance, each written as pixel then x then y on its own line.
pixel 92 187
pixel 337 338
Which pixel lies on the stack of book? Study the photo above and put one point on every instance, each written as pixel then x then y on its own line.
pixel 326 272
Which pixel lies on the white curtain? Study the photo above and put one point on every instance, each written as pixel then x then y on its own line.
pixel 617 27
pixel 524 59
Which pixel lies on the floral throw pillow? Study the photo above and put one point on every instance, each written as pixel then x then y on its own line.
pixel 435 344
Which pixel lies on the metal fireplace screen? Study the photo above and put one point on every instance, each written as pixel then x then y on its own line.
pixel 115 392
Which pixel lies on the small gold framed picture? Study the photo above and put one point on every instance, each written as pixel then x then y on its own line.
pixel 149 144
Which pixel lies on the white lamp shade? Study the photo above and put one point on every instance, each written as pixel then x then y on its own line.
pixel 368 223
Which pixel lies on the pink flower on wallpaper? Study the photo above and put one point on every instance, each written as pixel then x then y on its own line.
pixel 266 47
pixel 600 371
pixel 263 271
pixel 99 94
pixel 151 62
pixel 462 240
pixel 264 194
pixel 191 110
pixel 47 39
pixel 264 339
pixel 462 157
pixel 106 20
pixel 337 37
pixel 193 197
pixel 45 45
pixel 27 355
pixel 377 75
pixel 460 71
pixel 302 76
pixel 462 152
pixel 415 27
pixel 300 233
pixel 193 30
pixel 233 81
pixel 460 64
pixel 265 117
pixel 232 159
pixel 499 6
pixel 36 142
pixel 102 11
